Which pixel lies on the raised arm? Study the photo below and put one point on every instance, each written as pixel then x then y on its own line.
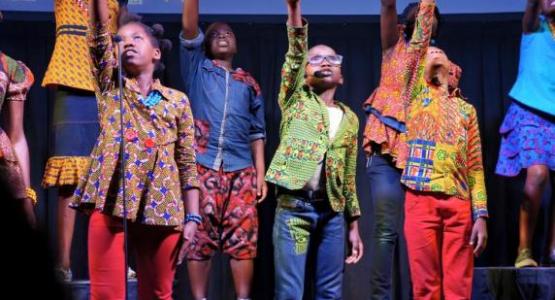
pixel 189 19
pixel 388 24
pixel 99 12
pixel 101 46
pixel 419 43
pixel 531 20
pixel 295 18
pixel 292 73
pixel 422 35
pixel 191 52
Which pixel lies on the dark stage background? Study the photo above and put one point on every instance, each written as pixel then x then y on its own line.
pixel 486 46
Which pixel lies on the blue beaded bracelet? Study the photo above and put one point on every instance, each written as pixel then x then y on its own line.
pixel 193 218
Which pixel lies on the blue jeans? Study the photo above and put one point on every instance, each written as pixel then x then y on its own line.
pixel 388 197
pixel 300 228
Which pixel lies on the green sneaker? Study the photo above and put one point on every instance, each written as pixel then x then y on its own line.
pixel 524 259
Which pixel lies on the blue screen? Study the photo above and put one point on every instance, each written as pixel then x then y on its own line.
pixel 276 7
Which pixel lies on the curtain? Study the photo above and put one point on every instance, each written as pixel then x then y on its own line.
pixel 485 46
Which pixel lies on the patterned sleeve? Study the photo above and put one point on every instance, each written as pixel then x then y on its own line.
pixel 185 148
pixel 292 73
pixel 417 49
pixel 422 35
pixel 20 81
pixel 103 60
pixel 352 206
pixel 476 179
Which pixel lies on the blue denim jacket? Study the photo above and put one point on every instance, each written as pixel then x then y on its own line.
pixel 227 106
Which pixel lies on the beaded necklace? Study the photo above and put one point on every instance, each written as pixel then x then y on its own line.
pixel 151 100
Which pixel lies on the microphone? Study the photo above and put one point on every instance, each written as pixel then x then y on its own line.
pixel 117 39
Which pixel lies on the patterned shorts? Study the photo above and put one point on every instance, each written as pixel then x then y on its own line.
pixel 230 218
pixel 528 138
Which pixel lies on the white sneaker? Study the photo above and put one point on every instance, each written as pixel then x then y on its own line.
pixel 131 274
pixel 64 275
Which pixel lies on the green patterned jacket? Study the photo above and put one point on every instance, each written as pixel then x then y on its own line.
pixel 304 135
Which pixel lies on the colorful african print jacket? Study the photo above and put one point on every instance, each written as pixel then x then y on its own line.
pixel 304 135
pixel 443 138
pixel 159 144
pixel 386 106
pixel 445 153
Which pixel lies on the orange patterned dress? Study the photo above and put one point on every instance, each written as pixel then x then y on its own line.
pixel 386 107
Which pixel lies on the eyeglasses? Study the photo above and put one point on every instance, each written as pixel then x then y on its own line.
pixel 332 59
pixel 216 34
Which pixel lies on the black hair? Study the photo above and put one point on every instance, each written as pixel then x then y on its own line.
pixel 410 22
pixel 154 32
pixel 207 40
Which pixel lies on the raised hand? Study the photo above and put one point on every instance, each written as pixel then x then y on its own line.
pixel 294 13
pixel 189 19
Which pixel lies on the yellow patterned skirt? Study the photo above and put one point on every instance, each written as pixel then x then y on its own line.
pixel 64 170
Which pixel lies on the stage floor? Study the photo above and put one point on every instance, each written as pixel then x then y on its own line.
pixel 489 283
pixel 514 284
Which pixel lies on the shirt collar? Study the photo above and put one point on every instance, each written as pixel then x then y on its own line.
pixel 132 85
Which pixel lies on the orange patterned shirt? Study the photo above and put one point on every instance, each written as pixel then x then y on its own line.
pixel 159 148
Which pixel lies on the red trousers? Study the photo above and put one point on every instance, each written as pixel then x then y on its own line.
pixel 437 230
pixel 156 250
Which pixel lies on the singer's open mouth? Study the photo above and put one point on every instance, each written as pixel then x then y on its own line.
pixel 326 72
pixel 223 43
pixel 129 52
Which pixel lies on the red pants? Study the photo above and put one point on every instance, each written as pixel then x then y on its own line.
pixel 437 230
pixel 156 250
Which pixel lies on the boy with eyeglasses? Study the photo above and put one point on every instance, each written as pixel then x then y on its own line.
pixel 228 109
pixel 314 169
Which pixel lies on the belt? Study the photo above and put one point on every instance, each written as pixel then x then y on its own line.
pixel 72 29
pixel 307 196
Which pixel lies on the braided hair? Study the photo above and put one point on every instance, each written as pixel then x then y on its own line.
pixel 154 32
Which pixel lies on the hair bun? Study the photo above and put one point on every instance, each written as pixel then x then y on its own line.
pixel 158 30
pixel 165 45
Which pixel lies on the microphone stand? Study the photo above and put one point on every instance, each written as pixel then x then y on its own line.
pixel 117 39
